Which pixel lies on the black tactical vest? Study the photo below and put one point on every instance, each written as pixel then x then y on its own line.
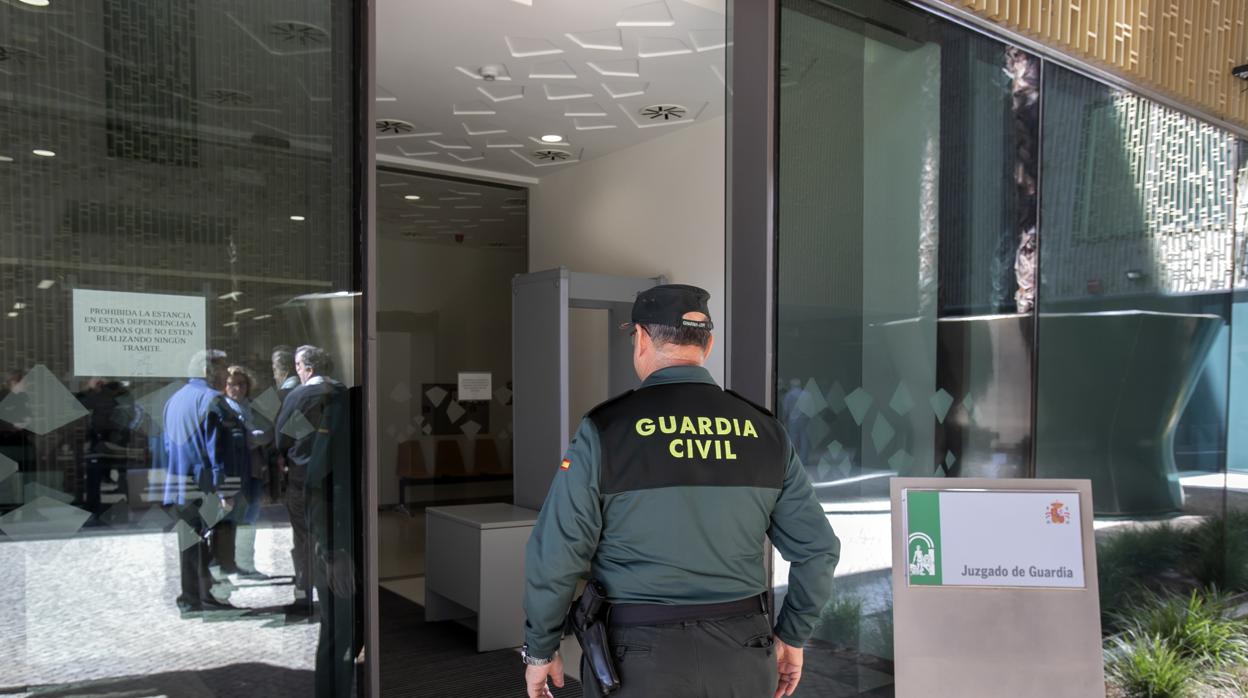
pixel 687 434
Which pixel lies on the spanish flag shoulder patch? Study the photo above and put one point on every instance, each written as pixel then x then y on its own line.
pixel 565 464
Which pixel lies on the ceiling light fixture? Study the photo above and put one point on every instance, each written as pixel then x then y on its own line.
pixel 13 314
pixel 19 306
pixel 46 284
pixel 44 153
pixel 244 311
pixel 5 158
pixel 552 138
pixel 266 316
pixel 298 219
pixel 412 197
pixel 37 3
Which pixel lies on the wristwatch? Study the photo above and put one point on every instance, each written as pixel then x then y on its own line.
pixel 534 661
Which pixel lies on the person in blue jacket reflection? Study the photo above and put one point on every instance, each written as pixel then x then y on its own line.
pixel 197 449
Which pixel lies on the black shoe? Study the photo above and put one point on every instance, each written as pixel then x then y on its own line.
pixel 298 608
pixel 252 574
pixel 214 605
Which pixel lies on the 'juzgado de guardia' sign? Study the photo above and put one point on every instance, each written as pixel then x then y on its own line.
pixel 993 539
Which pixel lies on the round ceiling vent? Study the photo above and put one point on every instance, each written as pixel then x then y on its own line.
pixel 664 112
pixel 298 33
pixel 228 98
pixel 552 155
pixel 394 127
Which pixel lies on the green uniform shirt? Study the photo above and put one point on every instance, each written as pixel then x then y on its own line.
pixel 677 544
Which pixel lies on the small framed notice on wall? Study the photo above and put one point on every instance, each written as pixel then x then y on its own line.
pixel 475 386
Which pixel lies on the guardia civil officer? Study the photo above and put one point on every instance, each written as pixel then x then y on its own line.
pixel 665 496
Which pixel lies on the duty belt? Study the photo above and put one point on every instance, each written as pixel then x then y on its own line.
pixel 626 615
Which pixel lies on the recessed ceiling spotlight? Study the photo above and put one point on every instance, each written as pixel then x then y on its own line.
pixel 552 138
pixel 44 153
pixel 412 197
pixel 46 284
pixel 12 314
pixel 5 158
pixel 19 306
pixel 298 219
pixel 37 3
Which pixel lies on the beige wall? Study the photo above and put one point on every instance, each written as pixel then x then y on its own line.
pixel 458 302
pixel 656 208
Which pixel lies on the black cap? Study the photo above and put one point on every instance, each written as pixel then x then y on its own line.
pixel 667 305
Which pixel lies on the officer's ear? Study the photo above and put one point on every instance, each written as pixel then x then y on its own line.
pixel 710 344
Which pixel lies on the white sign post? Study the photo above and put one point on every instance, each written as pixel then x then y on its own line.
pixel 136 335
pixel 994 588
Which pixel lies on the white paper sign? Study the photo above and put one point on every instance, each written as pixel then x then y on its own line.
pixel 474 386
pixel 136 335
pixel 994 539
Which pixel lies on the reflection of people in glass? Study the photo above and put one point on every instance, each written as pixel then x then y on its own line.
pixel 113 416
pixel 296 428
pixel 249 442
pixel 15 441
pixel 197 446
pixel 284 377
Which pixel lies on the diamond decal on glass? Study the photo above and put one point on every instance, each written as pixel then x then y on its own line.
pixel 427 430
pixel 154 518
pixel 267 404
pixel 824 470
pixel 969 405
pixel 950 459
pixel 42 518
pixel 811 401
pixel 454 411
pixel 8 466
pixel 817 430
pixel 470 428
pixel 503 395
pixel 836 450
pixel 881 433
pixel 34 490
pixel 436 395
pixel 117 515
pixel 50 405
pixel 187 536
pixel 836 398
pixel 901 462
pixel 211 511
pixel 941 401
pixel 401 392
pixel 297 426
pixel 859 402
pixel 901 403
pixel 153 405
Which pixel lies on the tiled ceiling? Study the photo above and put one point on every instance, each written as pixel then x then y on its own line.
pixel 451 212
pixel 603 74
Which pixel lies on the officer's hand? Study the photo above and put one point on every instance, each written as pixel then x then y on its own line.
pixel 535 678
pixel 789 668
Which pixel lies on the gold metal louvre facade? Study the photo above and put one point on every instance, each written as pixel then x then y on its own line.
pixel 1183 48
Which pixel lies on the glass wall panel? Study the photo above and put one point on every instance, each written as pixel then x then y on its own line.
pixel 906 272
pixel 1136 271
pixel 178 501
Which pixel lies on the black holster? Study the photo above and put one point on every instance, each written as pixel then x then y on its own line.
pixel 588 619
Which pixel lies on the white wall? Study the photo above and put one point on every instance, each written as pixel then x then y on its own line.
pixel 656 208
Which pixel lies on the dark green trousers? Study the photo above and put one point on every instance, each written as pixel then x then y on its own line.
pixel 729 658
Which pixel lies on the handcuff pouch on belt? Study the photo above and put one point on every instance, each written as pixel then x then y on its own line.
pixel 588 619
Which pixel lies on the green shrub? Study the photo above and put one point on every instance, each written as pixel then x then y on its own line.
pixel 841 621
pixel 1199 627
pixel 1218 552
pixel 1146 666
pixel 1129 560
